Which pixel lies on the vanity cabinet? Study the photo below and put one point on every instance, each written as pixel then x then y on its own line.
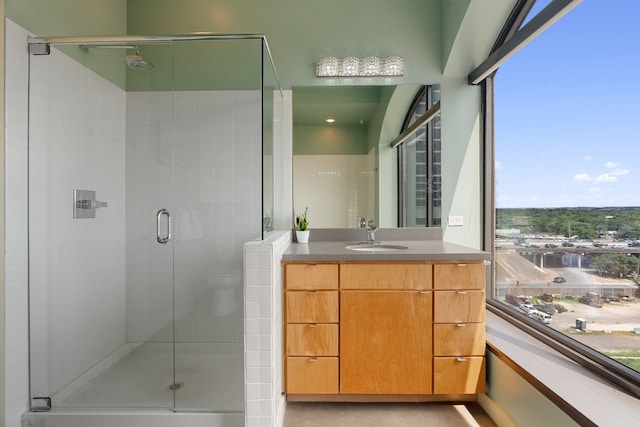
pixel 459 329
pixel 311 328
pixel 369 330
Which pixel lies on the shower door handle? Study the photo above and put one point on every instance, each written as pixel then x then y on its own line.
pixel 167 236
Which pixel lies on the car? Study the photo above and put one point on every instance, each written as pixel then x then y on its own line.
pixel 540 317
pixel 550 245
pixel 559 279
pixel 567 245
pixel 527 308
pixel 583 247
pixel 512 299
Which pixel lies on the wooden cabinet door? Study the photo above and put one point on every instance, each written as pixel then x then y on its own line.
pixel 459 339
pixel 459 375
pixel 385 276
pixel 312 375
pixel 459 306
pixel 312 339
pixel 459 276
pixel 385 342
pixel 311 276
pixel 312 306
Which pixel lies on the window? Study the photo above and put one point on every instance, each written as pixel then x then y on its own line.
pixel 567 205
pixel 419 165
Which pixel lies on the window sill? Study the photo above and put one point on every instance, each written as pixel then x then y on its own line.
pixel 584 396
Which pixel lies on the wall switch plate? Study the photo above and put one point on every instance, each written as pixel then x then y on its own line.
pixel 455 221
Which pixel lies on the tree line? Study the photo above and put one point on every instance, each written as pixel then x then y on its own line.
pixel 583 223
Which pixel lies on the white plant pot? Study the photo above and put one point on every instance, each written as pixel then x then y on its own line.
pixel 302 236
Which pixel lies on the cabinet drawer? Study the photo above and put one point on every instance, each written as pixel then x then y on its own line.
pixel 458 375
pixel 311 276
pixel 390 276
pixel 312 339
pixel 310 375
pixel 458 306
pixel 312 307
pixel 459 276
pixel 459 339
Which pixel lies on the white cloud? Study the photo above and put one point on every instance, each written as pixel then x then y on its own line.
pixel 610 165
pixel 582 177
pixel 605 177
pixel 594 190
pixel 619 172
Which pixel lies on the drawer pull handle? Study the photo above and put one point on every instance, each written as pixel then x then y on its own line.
pixel 461 292
pixel 423 292
pixel 461 325
pixel 311 292
pixel 462 265
pixel 461 359
pixel 313 359
pixel 312 325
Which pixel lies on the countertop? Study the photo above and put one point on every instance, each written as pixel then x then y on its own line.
pixel 417 250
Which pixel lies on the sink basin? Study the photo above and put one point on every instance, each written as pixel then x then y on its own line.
pixel 375 247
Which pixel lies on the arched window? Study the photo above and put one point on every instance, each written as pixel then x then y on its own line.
pixel 419 163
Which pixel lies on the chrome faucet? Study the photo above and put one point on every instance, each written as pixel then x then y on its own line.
pixel 371 231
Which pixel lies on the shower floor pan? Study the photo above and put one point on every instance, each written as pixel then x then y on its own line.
pixel 209 380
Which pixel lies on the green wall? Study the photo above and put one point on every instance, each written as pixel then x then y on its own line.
pixel 441 41
pixel 329 140
pixel 46 18
pixel 300 32
pixel 519 399
pixel 69 17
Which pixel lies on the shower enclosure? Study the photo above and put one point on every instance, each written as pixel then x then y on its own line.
pixel 149 168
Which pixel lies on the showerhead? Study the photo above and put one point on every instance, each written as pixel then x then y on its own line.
pixel 136 62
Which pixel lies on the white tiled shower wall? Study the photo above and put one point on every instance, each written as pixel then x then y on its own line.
pixel 77 266
pixel 263 334
pixel 88 287
pixel 214 196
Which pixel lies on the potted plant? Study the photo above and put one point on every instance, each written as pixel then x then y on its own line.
pixel 302 227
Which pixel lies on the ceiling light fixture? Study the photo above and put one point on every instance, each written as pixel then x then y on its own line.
pixel 371 66
pixel 330 120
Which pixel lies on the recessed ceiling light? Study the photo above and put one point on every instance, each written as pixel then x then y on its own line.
pixel 331 120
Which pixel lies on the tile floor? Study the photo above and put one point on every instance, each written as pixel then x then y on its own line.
pixel 299 414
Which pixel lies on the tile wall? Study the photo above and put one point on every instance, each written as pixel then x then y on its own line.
pixel 263 330
pixel 85 134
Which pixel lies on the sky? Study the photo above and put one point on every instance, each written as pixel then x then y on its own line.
pixel 567 112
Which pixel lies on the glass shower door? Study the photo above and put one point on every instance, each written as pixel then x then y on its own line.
pixel 218 198
pixel 101 282
pixel 144 184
